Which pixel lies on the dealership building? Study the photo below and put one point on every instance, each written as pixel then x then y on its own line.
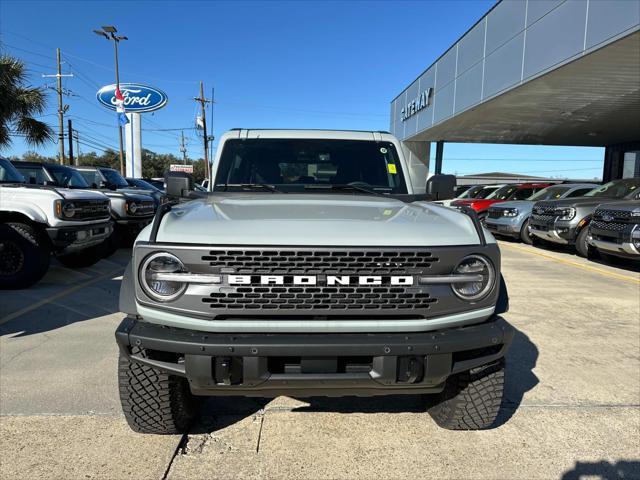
pixel 535 72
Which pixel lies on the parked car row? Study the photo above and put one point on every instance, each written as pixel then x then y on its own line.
pixel 592 218
pixel 80 215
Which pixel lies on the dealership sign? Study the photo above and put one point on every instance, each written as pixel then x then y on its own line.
pixel 137 98
pixel 181 168
pixel 422 101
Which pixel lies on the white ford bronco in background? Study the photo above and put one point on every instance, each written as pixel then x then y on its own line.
pixel 314 266
pixel 38 220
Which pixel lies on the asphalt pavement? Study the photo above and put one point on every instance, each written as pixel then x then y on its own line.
pixel 571 409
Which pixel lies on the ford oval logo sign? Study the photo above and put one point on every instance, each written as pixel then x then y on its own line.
pixel 137 98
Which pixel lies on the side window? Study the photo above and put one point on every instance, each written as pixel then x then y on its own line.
pixel 91 177
pixel 522 193
pixel 579 192
pixel 33 175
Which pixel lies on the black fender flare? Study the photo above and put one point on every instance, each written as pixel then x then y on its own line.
pixel 127 302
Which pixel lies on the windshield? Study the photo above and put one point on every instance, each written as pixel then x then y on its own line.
pixel 67 177
pixel 114 178
pixel 137 182
pixel 8 173
pixel 470 193
pixel 549 193
pixel 503 193
pixel 485 192
pixel 616 189
pixel 296 164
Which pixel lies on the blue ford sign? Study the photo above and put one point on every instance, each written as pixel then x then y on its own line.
pixel 137 97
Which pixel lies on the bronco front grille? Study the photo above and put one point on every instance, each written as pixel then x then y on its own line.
pixel 318 262
pixel 495 213
pixel 91 209
pixel 321 298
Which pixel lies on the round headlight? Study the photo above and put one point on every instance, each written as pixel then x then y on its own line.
pixel 69 210
pixel 151 277
pixel 478 266
pixel 133 207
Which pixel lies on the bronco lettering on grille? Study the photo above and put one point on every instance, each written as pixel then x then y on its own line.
pixel 315 279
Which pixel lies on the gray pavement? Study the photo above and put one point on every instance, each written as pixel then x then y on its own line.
pixel 572 406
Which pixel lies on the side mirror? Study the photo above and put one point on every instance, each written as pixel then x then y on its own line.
pixel 178 184
pixel 32 181
pixel 49 183
pixel 441 187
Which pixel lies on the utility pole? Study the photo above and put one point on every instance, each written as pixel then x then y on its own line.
pixel 203 102
pixel 77 158
pixel 70 135
pixel 109 32
pixel 61 108
pixel 183 149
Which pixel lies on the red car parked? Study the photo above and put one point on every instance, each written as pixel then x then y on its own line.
pixel 518 191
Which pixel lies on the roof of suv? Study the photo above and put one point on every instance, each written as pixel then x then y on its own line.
pixel 308 133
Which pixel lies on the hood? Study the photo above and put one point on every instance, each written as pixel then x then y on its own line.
pixel 315 219
pixel 519 204
pixel 142 191
pixel 78 194
pixel 138 197
pixel 625 206
pixel 576 202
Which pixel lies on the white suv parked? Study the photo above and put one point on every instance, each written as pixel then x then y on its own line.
pixel 38 220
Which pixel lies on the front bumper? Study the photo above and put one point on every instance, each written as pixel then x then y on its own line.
pixel 553 231
pixel 268 365
pixel 79 237
pixel 134 223
pixel 618 243
pixel 509 226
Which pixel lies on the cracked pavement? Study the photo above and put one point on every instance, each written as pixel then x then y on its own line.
pixel 571 409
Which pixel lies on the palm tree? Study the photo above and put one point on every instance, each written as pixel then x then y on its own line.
pixel 19 103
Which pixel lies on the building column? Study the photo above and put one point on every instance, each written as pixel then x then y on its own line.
pixel 439 152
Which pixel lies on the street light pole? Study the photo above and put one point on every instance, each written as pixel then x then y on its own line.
pixel 109 32
pixel 115 44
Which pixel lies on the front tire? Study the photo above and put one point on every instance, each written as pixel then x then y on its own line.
pixel 471 400
pixel 582 246
pixel 525 235
pixel 153 401
pixel 24 256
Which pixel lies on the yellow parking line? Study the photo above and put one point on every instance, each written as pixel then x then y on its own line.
pixel 58 295
pixel 619 276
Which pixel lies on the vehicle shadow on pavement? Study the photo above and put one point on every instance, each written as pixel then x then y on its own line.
pixel 96 301
pixel 521 360
pixel 519 377
pixel 603 469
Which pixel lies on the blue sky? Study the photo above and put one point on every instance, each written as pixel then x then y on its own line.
pixel 273 64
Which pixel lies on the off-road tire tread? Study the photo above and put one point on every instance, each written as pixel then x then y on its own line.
pixel 153 401
pixel 39 258
pixel 471 400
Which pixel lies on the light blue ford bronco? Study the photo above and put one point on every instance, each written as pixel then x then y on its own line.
pixel 315 265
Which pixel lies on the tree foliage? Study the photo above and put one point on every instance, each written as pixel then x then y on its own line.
pixel 19 103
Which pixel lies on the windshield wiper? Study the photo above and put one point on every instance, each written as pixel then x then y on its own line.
pixel 345 186
pixel 264 186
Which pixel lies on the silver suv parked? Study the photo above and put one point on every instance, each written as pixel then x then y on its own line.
pixel 511 219
pixel 615 229
pixel 565 221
